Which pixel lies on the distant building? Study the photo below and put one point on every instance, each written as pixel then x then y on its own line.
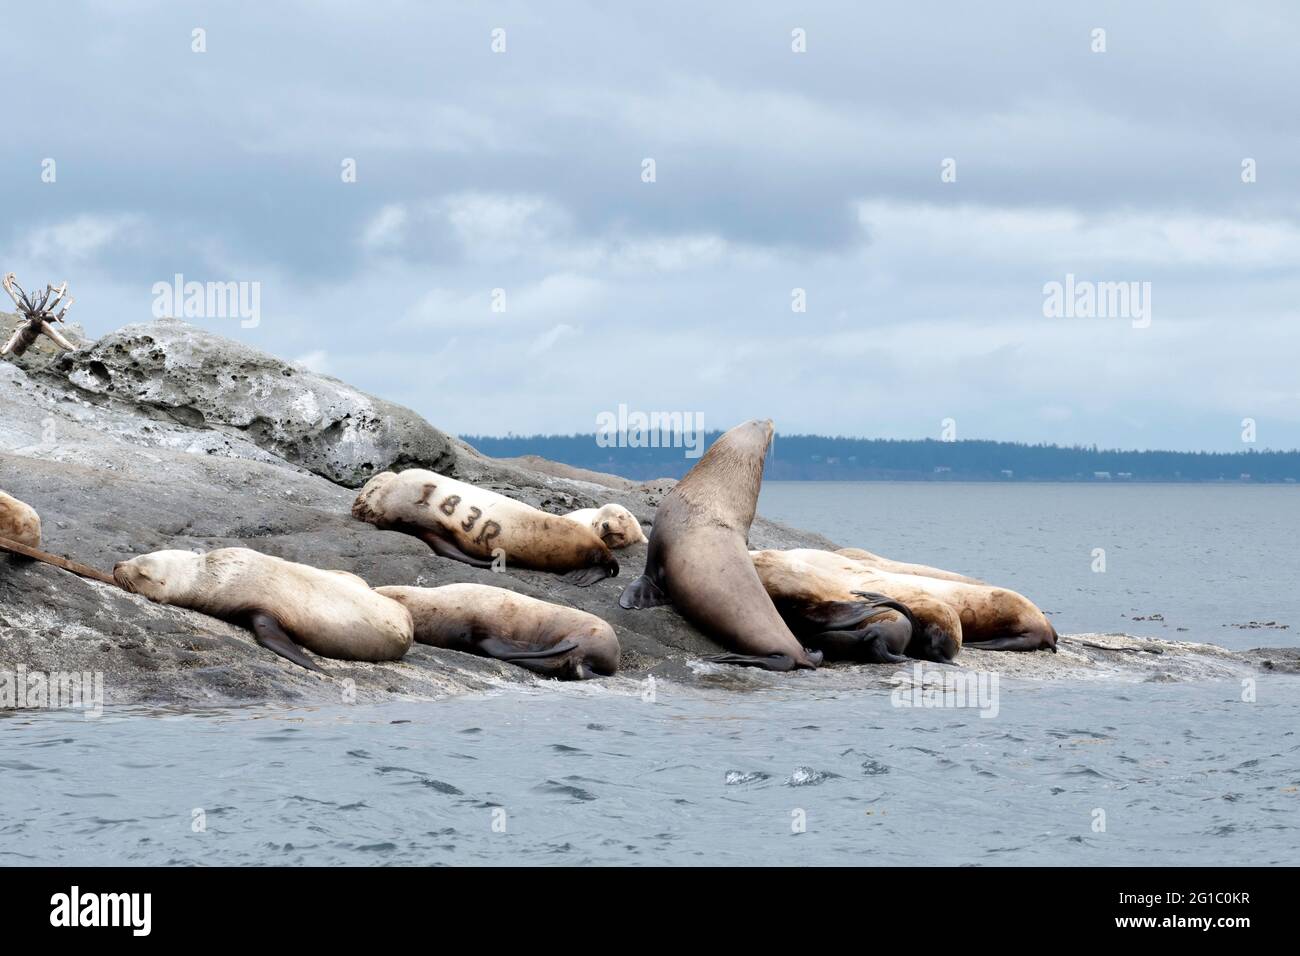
pixel 1245 476
pixel 1101 475
pixel 1126 474
pixel 1008 473
pixel 940 469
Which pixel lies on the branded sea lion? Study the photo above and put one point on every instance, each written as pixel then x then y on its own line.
pixel 903 567
pixel 474 525
pixel 614 524
pixel 545 638
pixel 332 613
pixel 834 606
pixel 19 521
pixel 699 562
pixel 992 618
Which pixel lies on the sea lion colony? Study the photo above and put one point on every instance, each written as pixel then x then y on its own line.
pixel 778 610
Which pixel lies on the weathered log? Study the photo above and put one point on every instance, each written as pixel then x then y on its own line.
pixel 7 544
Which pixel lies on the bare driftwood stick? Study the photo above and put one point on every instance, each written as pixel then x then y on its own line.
pixel 38 311
pixel 7 544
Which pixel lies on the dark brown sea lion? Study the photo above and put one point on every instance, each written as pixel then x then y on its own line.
pixel 333 613
pixel 473 525
pixel 545 638
pixel 699 562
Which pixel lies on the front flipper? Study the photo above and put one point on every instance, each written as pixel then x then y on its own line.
pixel 445 549
pixel 271 635
pixel 768 662
pixel 585 577
pixel 805 616
pixel 642 593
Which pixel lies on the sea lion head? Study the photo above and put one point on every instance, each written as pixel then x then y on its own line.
pixel 617 527
pixel 725 482
pixel 160 576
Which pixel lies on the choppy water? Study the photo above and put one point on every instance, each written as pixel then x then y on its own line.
pixel 807 768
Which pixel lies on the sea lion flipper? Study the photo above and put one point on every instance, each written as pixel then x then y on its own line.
pixel 865 646
pixel 272 636
pixel 1021 642
pixel 816 616
pixel 515 653
pixel 768 662
pixel 445 549
pixel 585 577
pixel 642 593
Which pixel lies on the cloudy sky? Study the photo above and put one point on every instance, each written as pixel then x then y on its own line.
pixel 774 170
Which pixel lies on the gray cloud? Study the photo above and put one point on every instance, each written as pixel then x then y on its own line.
pixel 521 171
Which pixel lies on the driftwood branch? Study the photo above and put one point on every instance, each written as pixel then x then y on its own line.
pixel 38 315
pixel 6 544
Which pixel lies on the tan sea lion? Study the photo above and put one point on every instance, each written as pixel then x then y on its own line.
pixel 698 558
pixel 992 618
pixel 902 567
pixel 545 638
pixel 471 524
pixel 614 524
pixel 333 613
pixel 19 521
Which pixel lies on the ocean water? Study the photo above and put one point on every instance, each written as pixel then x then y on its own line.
pixel 810 768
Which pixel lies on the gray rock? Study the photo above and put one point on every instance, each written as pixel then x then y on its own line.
pixel 175 371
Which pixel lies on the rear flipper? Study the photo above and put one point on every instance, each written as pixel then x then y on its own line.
pixel 445 549
pixel 552 661
pixel 585 577
pixel 1021 642
pixel 768 662
pixel 874 644
pixel 642 593
pixel 272 636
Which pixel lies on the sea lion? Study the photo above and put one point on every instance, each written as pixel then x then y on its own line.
pixel 833 606
pixel 614 524
pixel 545 638
pixel 992 618
pixel 902 567
pixel 19 521
pixel 698 558
pixel 471 524
pixel 333 613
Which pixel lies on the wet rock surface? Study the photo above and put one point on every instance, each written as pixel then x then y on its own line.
pixel 163 435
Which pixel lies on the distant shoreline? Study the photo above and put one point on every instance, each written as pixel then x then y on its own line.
pixel 822 458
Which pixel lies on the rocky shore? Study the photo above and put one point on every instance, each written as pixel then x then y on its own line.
pixel 164 435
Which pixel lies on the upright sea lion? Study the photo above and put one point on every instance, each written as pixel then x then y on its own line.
pixel 902 567
pixel 614 524
pixel 471 524
pixel 992 618
pixel 333 613
pixel 546 638
pixel 832 605
pixel 698 558
pixel 19 521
